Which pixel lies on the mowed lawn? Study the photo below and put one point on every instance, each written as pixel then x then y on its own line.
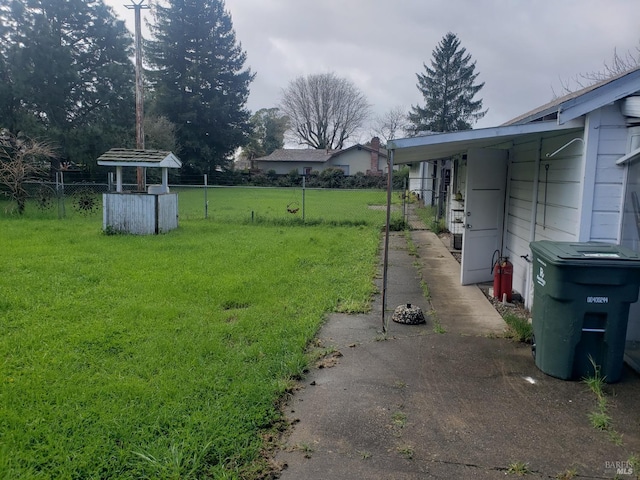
pixel 165 356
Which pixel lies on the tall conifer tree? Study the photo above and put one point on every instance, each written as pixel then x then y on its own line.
pixel 448 88
pixel 199 80
pixel 66 75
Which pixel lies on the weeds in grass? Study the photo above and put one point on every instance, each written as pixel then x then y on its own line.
pixel 400 384
pixel 519 329
pixel 634 464
pixel 425 289
pixel 600 418
pixel 411 247
pixel 364 455
pixel 399 419
pixel 567 474
pixel 437 326
pixel 124 355
pixel 397 223
pixel 305 448
pixel 406 451
pixel 518 468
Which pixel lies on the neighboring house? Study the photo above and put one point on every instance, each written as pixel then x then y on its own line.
pixel 566 171
pixel 367 159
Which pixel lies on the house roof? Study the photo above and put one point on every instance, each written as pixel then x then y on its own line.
pixel 297 155
pixel 313 155
pixel 562 114
pixel 590 98
pixel 122 157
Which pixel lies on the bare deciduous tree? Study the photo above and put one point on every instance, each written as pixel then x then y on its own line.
pixel 324 110
pixel 618 65
pixel 390 124
pixel 22 160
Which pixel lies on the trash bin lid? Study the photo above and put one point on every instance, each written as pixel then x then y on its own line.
pixel 586 254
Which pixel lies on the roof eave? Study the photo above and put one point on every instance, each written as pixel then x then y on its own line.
pixel 444 145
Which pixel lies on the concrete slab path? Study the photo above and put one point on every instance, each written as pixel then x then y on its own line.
pixel 416 404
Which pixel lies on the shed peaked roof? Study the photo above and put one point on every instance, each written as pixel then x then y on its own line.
pixel 122 157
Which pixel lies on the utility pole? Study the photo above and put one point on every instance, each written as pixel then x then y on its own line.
pixel 137 7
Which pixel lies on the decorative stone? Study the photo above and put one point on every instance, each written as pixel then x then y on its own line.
pixel 408 314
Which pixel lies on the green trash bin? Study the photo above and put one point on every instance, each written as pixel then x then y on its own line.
pixel 582 293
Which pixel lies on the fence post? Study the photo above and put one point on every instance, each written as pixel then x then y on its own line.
pixel 60 194
pixel 303 193
pixel 206 202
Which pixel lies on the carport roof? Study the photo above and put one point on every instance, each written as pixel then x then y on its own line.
pixel 444 145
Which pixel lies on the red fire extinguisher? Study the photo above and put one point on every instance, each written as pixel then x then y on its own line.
pixel 503 279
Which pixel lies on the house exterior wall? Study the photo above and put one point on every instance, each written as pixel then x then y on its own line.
pixel 356 160
pixel 283 168
pixel 604 216
pixel 532 187
pixel 583 198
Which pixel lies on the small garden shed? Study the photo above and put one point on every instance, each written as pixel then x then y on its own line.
pixel 152 211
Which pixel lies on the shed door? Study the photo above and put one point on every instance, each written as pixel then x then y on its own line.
pixel 484 213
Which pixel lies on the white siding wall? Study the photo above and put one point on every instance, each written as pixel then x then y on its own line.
pixel 583 202
pixel 519 210
pixel 558 188
pixel 609 177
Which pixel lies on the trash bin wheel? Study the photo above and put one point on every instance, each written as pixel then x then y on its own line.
pixel 533 346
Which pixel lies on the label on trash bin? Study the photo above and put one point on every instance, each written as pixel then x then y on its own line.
pixel 597 299
pixel 540 277
pixel 601 255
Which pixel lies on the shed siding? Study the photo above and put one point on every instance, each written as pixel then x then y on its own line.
pixel 136 213
pixel 519 208
pixel 167 212
pixel 607 202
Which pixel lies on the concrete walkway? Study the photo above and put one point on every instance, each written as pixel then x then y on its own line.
pixel 416 404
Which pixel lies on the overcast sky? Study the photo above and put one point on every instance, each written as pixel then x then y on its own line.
pixel 523 48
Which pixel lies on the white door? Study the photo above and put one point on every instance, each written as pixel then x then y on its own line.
pixel 484 213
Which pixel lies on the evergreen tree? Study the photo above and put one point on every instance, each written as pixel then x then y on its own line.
pixel 67 75
pixel 199 80
pixel 448 88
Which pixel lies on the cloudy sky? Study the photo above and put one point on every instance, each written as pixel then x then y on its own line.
pixel 523 49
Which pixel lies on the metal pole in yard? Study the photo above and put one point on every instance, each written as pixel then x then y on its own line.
pixel 385 262
pixel 405 216
pixel 303 192
pixel 206 202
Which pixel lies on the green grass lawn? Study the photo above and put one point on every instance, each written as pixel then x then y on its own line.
pixel 165 356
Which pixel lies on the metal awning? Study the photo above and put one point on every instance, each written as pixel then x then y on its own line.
pixel 444 145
